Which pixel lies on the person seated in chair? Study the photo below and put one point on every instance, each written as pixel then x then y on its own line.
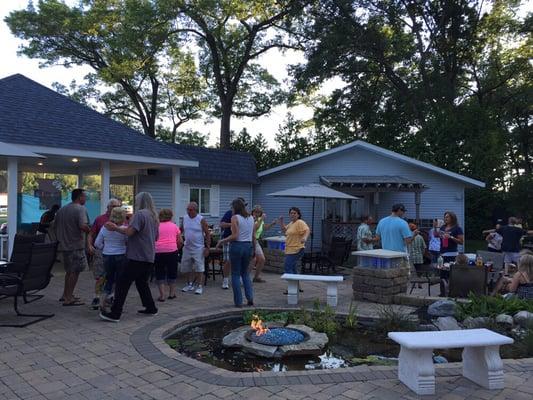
pixel 521 283
pixel 460 259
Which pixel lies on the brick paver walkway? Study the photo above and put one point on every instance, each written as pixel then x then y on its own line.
pixel 76 356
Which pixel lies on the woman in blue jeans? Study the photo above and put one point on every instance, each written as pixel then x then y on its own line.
pixel 242 243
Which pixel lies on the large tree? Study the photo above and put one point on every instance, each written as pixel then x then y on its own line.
pixel 435 80
pixel 141 77
pixel 231 36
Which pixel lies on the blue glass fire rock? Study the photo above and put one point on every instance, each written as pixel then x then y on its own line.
pixel 279 337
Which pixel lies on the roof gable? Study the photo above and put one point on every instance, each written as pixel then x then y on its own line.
pixel 378 150
pixel 32 114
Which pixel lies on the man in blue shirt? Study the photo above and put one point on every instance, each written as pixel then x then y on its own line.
pixel 393 231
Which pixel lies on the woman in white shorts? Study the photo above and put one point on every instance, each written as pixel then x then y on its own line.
pixel 259 260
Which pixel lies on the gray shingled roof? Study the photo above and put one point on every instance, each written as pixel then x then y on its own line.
pixel 219 165
pixel 33 114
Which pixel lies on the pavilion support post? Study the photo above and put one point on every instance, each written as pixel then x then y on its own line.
pixel 176 194
pixel 80 180
pixel 105 180
pixel 417 207
pixel 12 206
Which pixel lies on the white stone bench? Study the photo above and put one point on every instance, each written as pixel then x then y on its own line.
pixel 294 279
pixel 482 363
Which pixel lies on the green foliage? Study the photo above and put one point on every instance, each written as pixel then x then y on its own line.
pixel 373 360
pixel 321 319
pixel 389 320
pixel 527 342
pixel 491 306
pixel 141 77
pixel 282 317
pixel 351 318
pixel 173 343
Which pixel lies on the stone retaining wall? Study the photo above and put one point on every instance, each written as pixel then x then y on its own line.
pixel 275 259
pixel 379 285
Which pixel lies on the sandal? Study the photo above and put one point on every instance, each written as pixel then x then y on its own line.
pixel 171 297
pixel 74 303
pixel 62 299
pixel 160 299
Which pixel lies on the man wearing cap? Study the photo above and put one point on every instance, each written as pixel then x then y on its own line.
pixel 393 231
pixel 225 224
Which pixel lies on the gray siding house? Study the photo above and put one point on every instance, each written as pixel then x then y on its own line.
pixel 377 176
pixel 221 176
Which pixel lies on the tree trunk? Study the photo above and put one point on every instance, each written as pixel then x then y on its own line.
pixel 225 133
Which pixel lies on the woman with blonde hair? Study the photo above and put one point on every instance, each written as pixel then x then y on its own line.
pixel 166 254
pixel 258 261
pixel 142 233
pixel 521 284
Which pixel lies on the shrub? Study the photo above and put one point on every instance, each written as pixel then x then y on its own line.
pixel 351 318
pixel 489 306
pixel 390 320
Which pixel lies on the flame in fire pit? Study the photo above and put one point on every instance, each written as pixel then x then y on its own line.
pixel 257 326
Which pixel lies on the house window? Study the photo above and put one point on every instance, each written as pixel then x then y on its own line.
pixel 202 197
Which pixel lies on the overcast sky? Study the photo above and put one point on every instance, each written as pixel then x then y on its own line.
pixel 11 63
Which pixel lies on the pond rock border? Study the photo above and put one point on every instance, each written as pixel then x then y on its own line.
pixel 312 346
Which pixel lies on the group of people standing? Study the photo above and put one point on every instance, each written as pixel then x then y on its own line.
pixel 122 252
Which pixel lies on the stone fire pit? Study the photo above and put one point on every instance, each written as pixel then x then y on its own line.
pixel 278 342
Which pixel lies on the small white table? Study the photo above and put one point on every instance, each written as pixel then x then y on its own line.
pixel 294 279
pixel 482 363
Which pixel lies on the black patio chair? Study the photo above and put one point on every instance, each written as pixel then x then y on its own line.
pixel 20 256
pixel 335 257
pixel 425 274
pixel 35 276
pixel 467 278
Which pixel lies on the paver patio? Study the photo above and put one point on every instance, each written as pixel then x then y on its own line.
pixel 76 356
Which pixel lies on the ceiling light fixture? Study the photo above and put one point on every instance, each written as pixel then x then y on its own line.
pixel 40 164
pixel 75 160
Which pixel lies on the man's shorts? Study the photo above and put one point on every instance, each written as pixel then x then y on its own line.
pixel 225 252
pixel 258 249
pixel 96 264
pixel 192 261
pixel 75 260
pixel 510 257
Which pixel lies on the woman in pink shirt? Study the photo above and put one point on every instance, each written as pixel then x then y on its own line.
pixel 166 254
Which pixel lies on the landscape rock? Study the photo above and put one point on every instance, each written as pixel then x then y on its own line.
pixel 447 324
pixel 504 319
pixel 427 327
pixel 442 308
pixel 477 322
pixel 523 318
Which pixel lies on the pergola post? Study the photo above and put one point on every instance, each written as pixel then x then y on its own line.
pixel 12 206
pixel 176 193
pixel 417 207
pixel 105 178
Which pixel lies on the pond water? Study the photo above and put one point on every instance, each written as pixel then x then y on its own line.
pixel 348 348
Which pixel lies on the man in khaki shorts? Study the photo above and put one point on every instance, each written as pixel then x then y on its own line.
pixel 195 249
pixel 71 226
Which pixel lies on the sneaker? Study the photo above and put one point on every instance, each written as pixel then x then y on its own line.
pixel 107 316
pixel 188 287
pixel 95 304
pixel 225 283
pixel 148 312
pixel 199 290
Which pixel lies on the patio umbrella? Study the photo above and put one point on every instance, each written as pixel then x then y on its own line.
pixel 313 191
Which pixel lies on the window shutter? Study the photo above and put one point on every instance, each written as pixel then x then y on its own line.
pixel 214 205
pixel 184 200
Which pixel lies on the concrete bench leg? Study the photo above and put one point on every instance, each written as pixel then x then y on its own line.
pixel 292 293
pixel 331 295
pixel 416 370
pixel 484 366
